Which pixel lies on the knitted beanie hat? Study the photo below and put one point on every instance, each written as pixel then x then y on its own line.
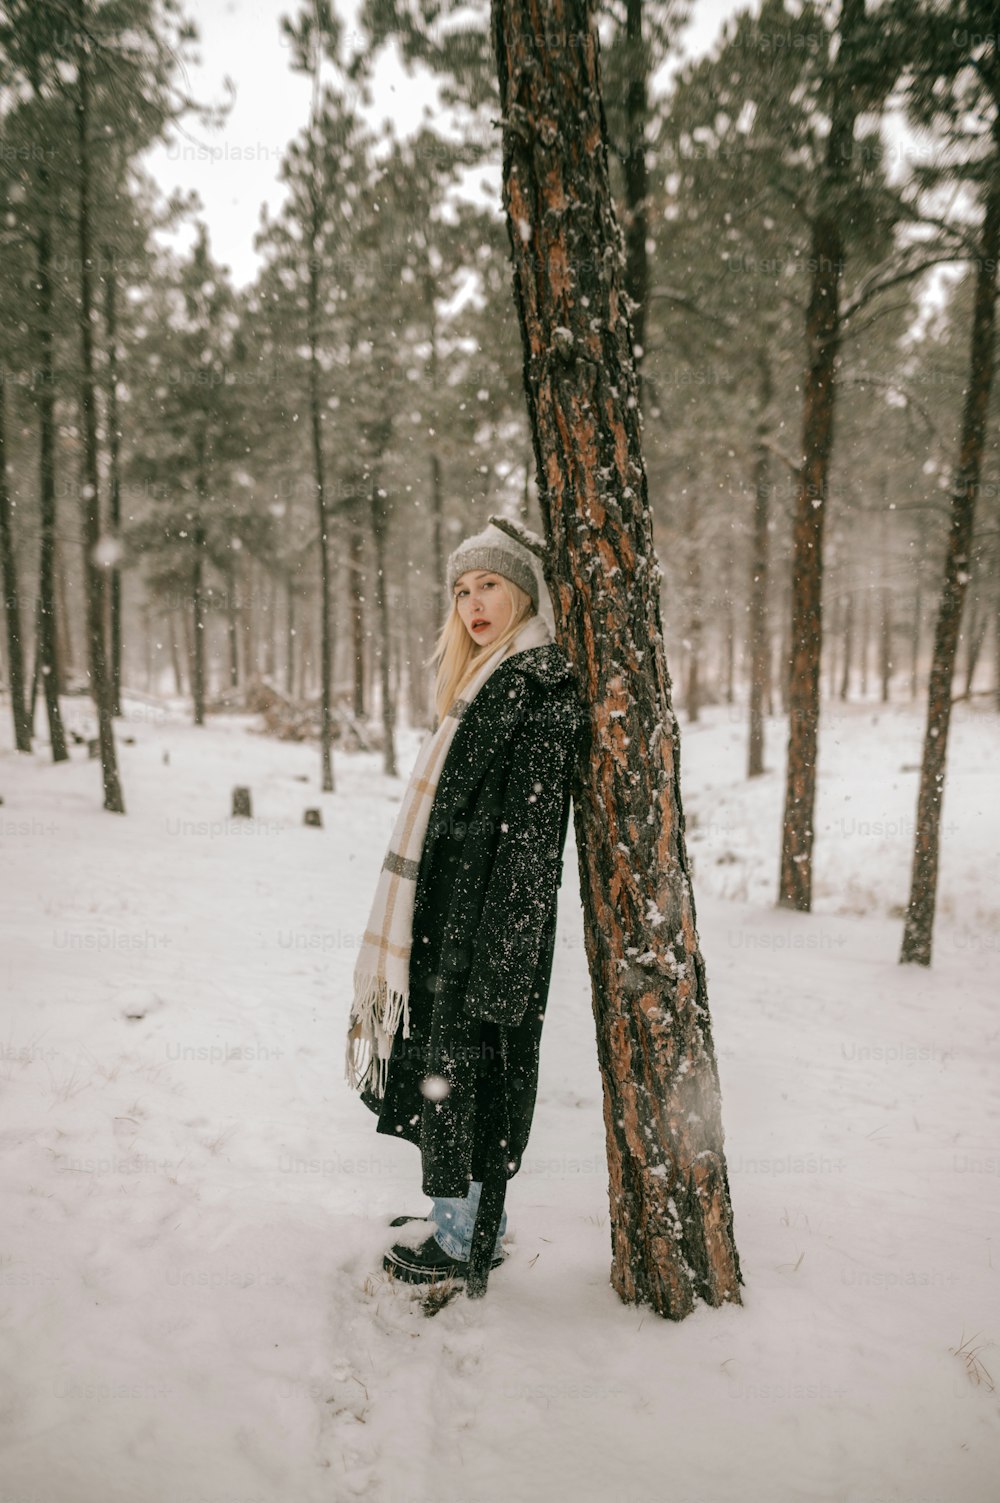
pixel 505 547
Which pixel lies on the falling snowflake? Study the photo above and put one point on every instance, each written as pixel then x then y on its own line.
pixel 434 1087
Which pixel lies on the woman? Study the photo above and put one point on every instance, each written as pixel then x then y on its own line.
pixel 452 979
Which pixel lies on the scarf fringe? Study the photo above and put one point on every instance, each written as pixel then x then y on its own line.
pixel 379 1009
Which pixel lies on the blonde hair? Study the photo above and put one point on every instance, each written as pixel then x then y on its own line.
pixel 458 656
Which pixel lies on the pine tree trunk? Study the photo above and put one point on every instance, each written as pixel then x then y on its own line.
pixel 323 541
pixel 784 656
pixel 233 628
pixel 271 659
pixel 416 652
pixel 64 636
pixel 197 640
pixel 48 654
pixel 437 485
pixel 975 637
pixel 313 228
pixel 831 644
pixel 866 613
pixel 692 692
pixel 848 645
pixel 100 686
pixel 305 684
pixel 251 623
pixel 636 184
pixel 356 572
pixel 822 339
pixel 671 1217
pixel 11 597
pixel 729 664
pixel 996 651
pixel 114 477
pixel 885 642
pixel 290 634
pixel 379 524
pixel 175 656
pixel 36 669
pixel 919 926
pixel 147 651
pixel 759 643
pixel 437 538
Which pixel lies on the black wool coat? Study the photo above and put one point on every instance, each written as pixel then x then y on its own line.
pixel 462 1086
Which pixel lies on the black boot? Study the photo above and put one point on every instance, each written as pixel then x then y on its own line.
pixel 426 1264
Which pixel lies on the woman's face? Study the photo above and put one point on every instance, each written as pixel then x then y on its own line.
pixel 484 604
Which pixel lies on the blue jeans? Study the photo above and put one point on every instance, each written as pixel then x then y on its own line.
pixel 455 1218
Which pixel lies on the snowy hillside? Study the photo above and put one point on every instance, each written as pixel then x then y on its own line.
pixel 193 1308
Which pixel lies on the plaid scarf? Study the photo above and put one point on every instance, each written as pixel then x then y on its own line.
pixel 381 975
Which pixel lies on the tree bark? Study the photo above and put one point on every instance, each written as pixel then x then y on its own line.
pixel 636 184
pixel 996 653
pixel 822 341
pixel 175 657
pixel 414 651
pixel 975 636
pixel 252 626
pixel 885 642
pixel 89 495
pixel 671 1217
pixel 759 641
pixel 323 542
pixel 313 237
pixel 831 644
pixel 197 642
pixel 692 688
pixel 729 631
pixel 355 574
pixel 11 596
pixel 845 672
pixel 64 636
pixel 114 479
pixel 382 638
pixel 784 655
pixel 305 669
pixel 290 632
pixel 48 652
pixel 233 628
pixel 919 926
pixel 271 656
pixel 885 604
pixel 437 484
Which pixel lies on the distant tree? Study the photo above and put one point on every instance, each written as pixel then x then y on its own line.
pixel 312 170
pixel 94 84
pixel 94 566
pixel 735 156
pixel 955 87
pixel 861 76
pixel 12 273
pixel 189 457
pixel 34 43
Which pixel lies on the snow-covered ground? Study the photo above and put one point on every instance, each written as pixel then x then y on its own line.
pixel 192 1306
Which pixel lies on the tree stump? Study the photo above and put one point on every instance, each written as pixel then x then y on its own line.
pixel 242 808
pixel 93 748
pixel 313 818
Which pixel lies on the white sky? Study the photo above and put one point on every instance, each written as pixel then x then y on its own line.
pixel 235 170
